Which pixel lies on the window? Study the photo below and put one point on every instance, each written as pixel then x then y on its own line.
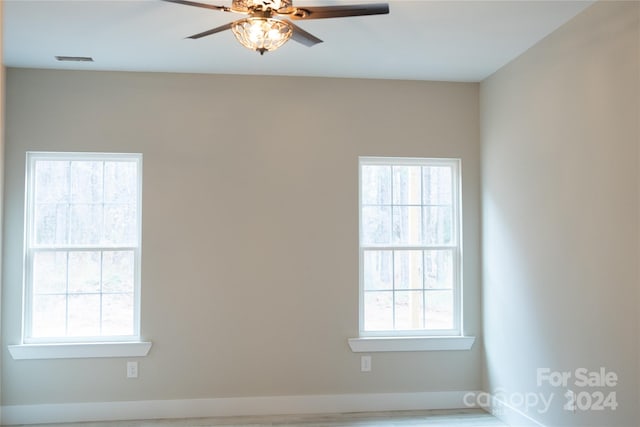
pixel 410 251
pixel 82 247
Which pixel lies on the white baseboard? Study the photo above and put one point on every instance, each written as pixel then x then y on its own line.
pixel 224 407
pixel 510 415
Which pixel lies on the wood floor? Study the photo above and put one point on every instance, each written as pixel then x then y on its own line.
pixel 439 418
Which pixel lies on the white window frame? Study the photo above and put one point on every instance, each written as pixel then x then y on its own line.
pixel 65 346
pixel 376 343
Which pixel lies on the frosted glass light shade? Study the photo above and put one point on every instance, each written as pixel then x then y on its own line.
pixel 262 34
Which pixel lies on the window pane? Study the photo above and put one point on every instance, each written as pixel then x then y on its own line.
pixel 376 225
pixel 378 311
pixel 376 185
pixel 120 224
pixel 84 315
pixel 437 181
pixel 439 310
pixel 407 225
pixel 86 224
pixel 51 223
pixel 407 185
pixel 409 211
pixel 438 267
pixel 438 225
pixel 378 269
pixel 84 271
pixel 409 310
pixel 82 201
pixel 49 272
pixel 49 315
pixel 117 312
pixel 51 182
pixel 117 271
pixel 86 181
pixel 407 269
pixel 120 182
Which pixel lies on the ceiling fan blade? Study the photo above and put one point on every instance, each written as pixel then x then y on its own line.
pixel 203 5
pixel 322 12
pixel 212 31
pixel 303 37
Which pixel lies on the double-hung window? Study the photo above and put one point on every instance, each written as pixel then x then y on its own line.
pixel 410 250
pixel 82 247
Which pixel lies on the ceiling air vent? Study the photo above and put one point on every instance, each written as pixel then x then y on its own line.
pixel 74 58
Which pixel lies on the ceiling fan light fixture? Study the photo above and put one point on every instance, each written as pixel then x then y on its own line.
pixel 262 34
pixel 268 25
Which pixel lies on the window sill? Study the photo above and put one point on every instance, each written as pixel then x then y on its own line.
pixel 79 350
pixel 434 343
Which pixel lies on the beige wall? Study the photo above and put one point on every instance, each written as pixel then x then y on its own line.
pixel 560 199
pixel 250 227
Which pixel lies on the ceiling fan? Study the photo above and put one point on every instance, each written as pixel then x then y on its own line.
pixel 268 23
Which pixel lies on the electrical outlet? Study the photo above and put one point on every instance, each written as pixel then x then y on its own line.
pixel 132 369
pixel 365 363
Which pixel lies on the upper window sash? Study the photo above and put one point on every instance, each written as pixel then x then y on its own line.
pixel 30 201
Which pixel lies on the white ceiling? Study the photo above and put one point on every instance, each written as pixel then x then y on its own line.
pixel 418 40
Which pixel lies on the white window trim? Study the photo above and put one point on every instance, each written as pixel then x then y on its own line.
pixel 79 350
pixel 422 340
pixel 435 343
pixel 78 347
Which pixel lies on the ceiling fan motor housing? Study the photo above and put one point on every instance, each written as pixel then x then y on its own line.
pixel 249 5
